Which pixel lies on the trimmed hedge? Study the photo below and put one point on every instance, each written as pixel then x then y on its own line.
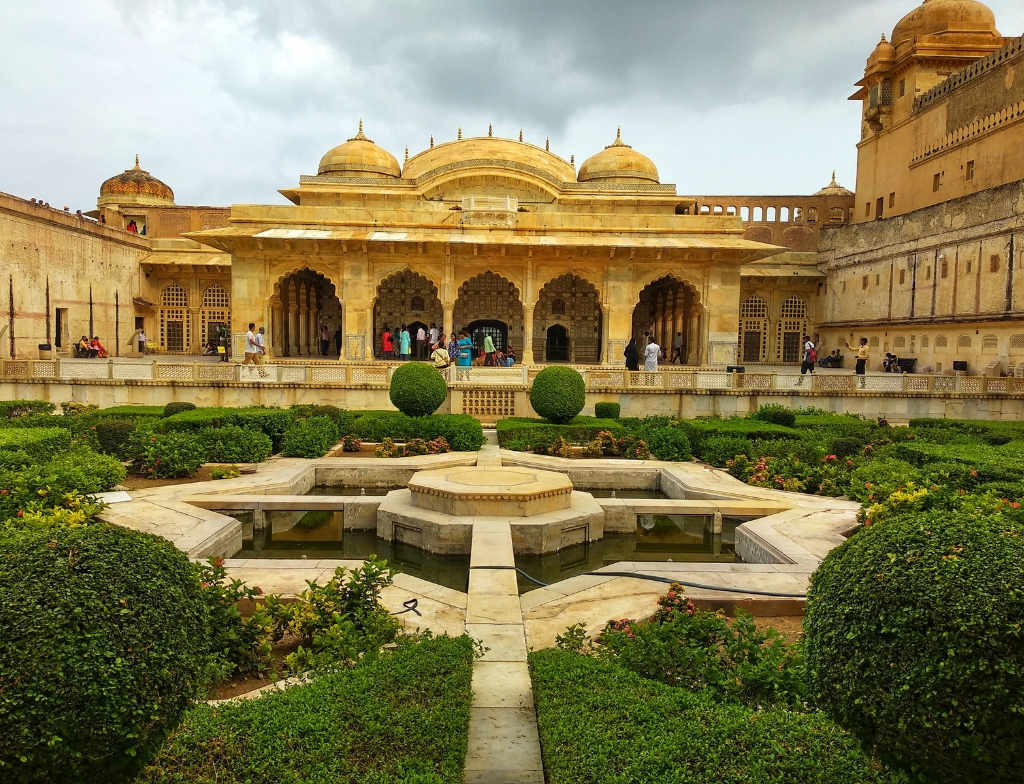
pixel 462 432
pixel 174 455
pixel 103 644
pixel 403 717
pixel 776 415
pixel 525 434
pixel 177 407
pixel 272 421
pixel 913 641
pixel 668 443
pixel 46 483
pixel 13 409
pixel 40 444
pixel 751 429
pixel 607 410
pixel 310 438
pixel 417 389
pixel 558 394
pixel 129 412
pixel 115 437
pixel 602 724
pixel 233 444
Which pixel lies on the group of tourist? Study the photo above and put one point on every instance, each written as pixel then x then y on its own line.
pixel 325 341
pixel 460 349
pixel 90 348
pixel 652 353
pixel 255 348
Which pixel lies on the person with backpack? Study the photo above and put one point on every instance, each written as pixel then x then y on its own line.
pixel 810 356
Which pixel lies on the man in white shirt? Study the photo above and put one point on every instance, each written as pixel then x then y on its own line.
pixel 435 334
pixel 651 354
pixel 810 356
pixel 421 343
pixel 253 352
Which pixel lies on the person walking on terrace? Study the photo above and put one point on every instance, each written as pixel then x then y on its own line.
pixel 404 344
pixel 810 356
pixel 421 343
pixel 632 355
pixel 253 355
pixel 465 349
pixel 677 349
pixel 488 350
pixel 325 341
pixel 651 354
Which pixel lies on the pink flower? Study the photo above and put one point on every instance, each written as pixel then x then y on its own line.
pixel 829 458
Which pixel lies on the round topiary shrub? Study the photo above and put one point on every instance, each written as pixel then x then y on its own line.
pixel 417 389
pixel 177 406
pixel 777 415
pixel 913 642
pixel 104 638
pixel 115 437
pixel 607 410
pixel 558 394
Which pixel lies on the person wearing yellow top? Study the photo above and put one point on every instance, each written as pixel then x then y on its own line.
pixel 863 354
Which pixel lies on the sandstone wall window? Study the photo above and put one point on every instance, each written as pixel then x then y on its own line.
pixel 1017 345
pixel 874 343
pixel 963 344
pixel 924 342
pixel 216 311
pixel 753 329
pixel 175 319
pixel 993 264
pixel 792 327
pixel 899 343
pixel 941 344
pixel 990 344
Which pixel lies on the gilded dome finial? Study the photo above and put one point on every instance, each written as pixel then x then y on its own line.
pixel 431 140
pixel 137 162
pixel 360 136
pixel 618 139
pixel 572 161
pixel 460 132
pixel 490 129
pixel 520 134
pixel 547 144
pixel 407 153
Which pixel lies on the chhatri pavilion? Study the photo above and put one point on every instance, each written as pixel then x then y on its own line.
pixel 491 235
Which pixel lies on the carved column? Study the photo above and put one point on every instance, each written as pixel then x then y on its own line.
pixel 275 335
pixel 196 328
pixel 527 335
pixel 314 325
pixel 449 320
pixel 303 342
pixel 693 341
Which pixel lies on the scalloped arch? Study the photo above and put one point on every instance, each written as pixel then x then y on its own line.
pixel 697 300
pixel 305 266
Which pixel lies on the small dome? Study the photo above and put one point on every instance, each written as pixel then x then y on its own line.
pixel 360 157
pixel 135 186
pixel 834 189
pixel 884 52
pixel 936 17
pixel 618 162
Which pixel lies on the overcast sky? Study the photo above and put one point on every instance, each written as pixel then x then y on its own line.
pixel 227 100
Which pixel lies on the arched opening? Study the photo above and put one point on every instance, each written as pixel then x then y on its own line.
pixel 489 303
pixel 304 303
pixel 216 313
pixel 408 298
pixel 574 304
pixel 556 344
pixel 670 311
pixel 175 319
pixel 753 329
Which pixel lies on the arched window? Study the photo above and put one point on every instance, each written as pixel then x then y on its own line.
pixel 416 304
pixel 795 308
pixel 753 329
pixel 990 344
pixel 558 307
pixel 941 343
pixel 874 343
pixel 1017 343
pixel 215 313
pixel 215 297
pixel 924 342
pixel 754 307
pixel 174 295
pixel 964 341
pixel 899 343
pixel 792 327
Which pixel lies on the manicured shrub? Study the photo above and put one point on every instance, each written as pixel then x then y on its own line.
pixel 272 421
pixel 129 412
pixel 777 415
pixel 751 429
pixel 668 443
pixel 558 394
pixel 114 437
pixel 913 639
pixel 720 450
pixel 607 410
pixel 13 409
pixel 538 434
pixel 847 446
pixel 177 406
pixel 45 485
pixel 375 426
pixel 39 443
pixel 462 432
pixel 310 438
pixel 168 456
pixel 417 389
pixel 103 643
pixel 403 717
pixel 233 444
pixel 599 723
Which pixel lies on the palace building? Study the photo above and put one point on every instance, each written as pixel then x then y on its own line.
pixel 565 264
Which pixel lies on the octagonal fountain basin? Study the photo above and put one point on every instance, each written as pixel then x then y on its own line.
pixel 491 492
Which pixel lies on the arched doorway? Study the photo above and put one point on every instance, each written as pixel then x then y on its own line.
pixel 304 302
pixel 556 344
pixel 408 298
pixel 489 303
pixel 670 311
pixel 574 305
pixel 216 313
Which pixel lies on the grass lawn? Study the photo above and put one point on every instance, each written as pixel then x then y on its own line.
pixel 401 719
pixel 602 724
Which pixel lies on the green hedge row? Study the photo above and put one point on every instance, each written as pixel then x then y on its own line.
pixel 39 444
pixel 272 421
pixel 525 434
pixel 462 432
pixel 602 724
pixel 46 483
pixel 404 717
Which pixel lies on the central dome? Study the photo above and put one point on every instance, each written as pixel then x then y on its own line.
pixel 488 151
pixel 618 162
pixel 360 157
pixel 936 17
pixel 135 186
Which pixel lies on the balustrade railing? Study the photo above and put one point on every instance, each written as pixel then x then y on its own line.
pixel 706 381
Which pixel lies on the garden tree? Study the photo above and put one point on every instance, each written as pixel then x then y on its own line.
pixel 104 638
pixel 558 394
pixel 913 637
pixel 417 389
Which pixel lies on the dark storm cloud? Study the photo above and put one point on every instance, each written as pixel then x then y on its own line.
pixel 228 100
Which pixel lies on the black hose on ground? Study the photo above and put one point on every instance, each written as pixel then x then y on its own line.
pixel 655 578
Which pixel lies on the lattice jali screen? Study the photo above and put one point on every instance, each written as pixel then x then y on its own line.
pixel 218 372
pixel 332 374
pixel 16 369
pixel 174 372
pixel 487 403
pixel 679 380
pixel 370 375
pixel 755 380
pixel 604 378
pixel 944 384
pixel 139 371
pixel 714 380
pixel 972 384
pixel 641 380
pixel 44 369
pixel 917 383
pixel 829 383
